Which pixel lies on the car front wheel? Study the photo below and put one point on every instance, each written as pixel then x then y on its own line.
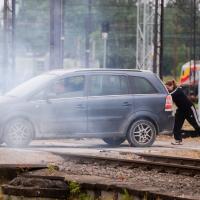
pixel 18 133
pixel 142 133
pixel 114 141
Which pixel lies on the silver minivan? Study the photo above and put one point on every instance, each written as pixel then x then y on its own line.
pixel 111 104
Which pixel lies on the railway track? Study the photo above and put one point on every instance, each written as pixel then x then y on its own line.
pixel 26 186
pixel 170 159
pixel 164 164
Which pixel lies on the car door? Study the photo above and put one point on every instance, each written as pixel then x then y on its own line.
pixel 109 103
pixel 146 96
pixel 64 109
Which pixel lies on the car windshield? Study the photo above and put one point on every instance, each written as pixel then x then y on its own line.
pixel 30 85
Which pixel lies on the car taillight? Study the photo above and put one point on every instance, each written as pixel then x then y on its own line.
pixel 168 103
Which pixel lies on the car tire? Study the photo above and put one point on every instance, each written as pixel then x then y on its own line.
pixel 142 133
pixel 18 133
pixel 114 141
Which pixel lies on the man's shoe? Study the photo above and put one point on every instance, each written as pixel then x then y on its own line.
pixel 177 142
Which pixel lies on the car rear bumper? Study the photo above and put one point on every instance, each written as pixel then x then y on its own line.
pixel 167 124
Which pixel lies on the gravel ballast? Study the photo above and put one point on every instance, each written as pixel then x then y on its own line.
pixel 179 185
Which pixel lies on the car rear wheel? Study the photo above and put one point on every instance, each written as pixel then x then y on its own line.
pixel 18 133
pixel 114 141
pixel 142 133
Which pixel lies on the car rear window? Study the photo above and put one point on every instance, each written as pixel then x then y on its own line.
pixel 140 85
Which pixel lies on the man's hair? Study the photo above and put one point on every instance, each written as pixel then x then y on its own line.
pixel 171 83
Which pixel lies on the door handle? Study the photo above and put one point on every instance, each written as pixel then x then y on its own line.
pixel 126 104
pixel 80 106
pixel 37 106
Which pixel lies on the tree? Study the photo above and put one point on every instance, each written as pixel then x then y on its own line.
pixel 121 16
pixel 178 35
pixel 32 28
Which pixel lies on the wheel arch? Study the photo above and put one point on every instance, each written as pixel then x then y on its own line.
pixel 136 117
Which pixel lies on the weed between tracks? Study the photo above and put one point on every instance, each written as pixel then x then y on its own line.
pixel 77 194
pixel 1 194
pixel 52 168
pixel 127 196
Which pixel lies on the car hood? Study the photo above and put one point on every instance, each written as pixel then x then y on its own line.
pixel 8 99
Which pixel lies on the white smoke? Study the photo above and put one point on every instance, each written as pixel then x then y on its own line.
pixel 1 5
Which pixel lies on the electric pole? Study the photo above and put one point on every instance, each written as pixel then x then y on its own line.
pixel 56 34
pixel 5 45
pixel 13 46
pixel 194 38
pixel 105 28
pixel 155 53
pixel 87 34
pixel 158 38
pixel 161 38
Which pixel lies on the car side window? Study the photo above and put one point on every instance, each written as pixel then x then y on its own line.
pixel 67 87
pixel 108 85
pixel 140 85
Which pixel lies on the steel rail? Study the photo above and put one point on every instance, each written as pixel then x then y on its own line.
pixel 170 159
pixel 161 166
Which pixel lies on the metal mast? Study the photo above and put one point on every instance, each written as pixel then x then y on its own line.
pixel 149 35
pixel 144 42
